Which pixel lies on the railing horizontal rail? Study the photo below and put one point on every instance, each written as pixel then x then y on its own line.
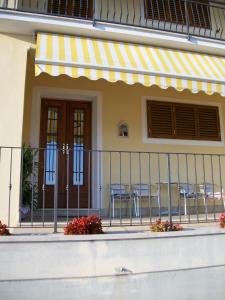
pixel 197 18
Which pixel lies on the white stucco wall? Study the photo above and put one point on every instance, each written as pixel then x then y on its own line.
pixel 186 265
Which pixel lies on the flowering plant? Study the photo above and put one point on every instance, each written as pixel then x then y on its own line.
pixel 3 229
pixel 222 220
pixel 160 226
pixel 84 225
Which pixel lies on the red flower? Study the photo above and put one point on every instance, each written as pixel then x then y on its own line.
pixel 160 226
pixel 84 225
pixel 222 220
pixel 3 229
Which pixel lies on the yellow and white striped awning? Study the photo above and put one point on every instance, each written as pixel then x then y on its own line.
pixel 132 63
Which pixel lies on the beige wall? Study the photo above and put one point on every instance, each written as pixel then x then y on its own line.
pixel 121 102
pixel 13 61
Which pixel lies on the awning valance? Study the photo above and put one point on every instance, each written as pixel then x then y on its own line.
pixel 132 63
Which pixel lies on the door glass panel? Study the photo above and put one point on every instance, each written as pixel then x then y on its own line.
pixel 52 142
pixel 78 147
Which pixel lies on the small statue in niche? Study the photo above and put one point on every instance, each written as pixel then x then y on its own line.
pixel 123 129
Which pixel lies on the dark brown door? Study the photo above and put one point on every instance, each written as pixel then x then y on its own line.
pixel 66 126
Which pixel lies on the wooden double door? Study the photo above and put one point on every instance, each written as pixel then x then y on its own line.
pixel 65 135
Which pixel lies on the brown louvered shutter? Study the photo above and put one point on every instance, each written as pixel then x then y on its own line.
pixel 185 121
pixel 199 14
pixel 155 9
pixel 173 11
pixel 208 123
pixel 165 10
pixel 160 119
pixel 176 12
pixel 76 8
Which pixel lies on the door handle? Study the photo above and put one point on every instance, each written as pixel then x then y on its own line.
pixel 67 149
pixel 63 149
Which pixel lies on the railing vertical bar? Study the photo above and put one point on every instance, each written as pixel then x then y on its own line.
pixel 89 181
pixel 187 21
pixel 107 14
pixel 120 188
pixel 110 188
pixel 187 176
pixel 140 198
pixel 134 15
pixel 101 11
pixel 67 181
pixel 164 13
pixel 178 179
pixel 140 12
pixel 220 21
pixel 32 190
pixel 150 188
pixel 205 198
pixel 169 189
pixel 132 195
pixel 78 181
pixel 10 185
pixel 221 186
pixel 43 188
pixel 196 195
pixel 127 11
pixel 114 10
pixel 100 182
pixel 213 187
pixel 21 184
pixel 199 22
pixel 213 20
pixel 121 11
pixel 175 14
pixel 159 185
pixel 56 190
pixel 94 12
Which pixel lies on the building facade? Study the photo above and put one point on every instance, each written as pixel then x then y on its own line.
pixel 112 107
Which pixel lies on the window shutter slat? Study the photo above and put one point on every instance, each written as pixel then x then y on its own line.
pixel 76 8
pixel 199 14
pixel 185 125
pixel 208 123
pixel 161 119
pixel 173 11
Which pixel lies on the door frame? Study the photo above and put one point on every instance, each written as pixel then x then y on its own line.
pixel 96 136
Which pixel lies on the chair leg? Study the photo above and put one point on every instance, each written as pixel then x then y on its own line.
pixel 135 205
pixel 113 207
pixel 138 207
pixel 206 206
pixel 185 205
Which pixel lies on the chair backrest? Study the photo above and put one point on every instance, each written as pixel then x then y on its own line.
pixel 207 188
pixel 186 188
pixel 117 188
pixel 141 189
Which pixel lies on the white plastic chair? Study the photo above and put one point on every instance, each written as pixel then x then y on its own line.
pixel 187 191
pixel 143 190
pixel 121 192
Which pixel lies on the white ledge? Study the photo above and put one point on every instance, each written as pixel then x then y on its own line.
pixel 115 234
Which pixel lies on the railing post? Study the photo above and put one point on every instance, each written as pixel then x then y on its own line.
pixel 187 19
pixel 169 190
pixel 94 12
pixel 56 191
